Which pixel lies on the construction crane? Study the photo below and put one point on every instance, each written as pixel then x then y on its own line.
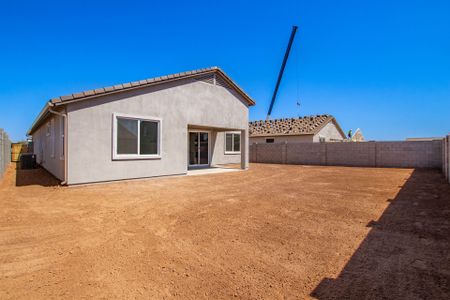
pixel 280 75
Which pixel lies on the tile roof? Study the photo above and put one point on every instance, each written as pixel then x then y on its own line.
pixel 147 82
pixel 290 126
pixel 86 95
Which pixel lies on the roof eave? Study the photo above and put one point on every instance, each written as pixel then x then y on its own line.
pixel 250 101
pixel 190 74
pixel 39 118
pixel 129 87
pixel 339 128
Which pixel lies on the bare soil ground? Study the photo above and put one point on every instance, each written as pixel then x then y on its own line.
pixel 273 232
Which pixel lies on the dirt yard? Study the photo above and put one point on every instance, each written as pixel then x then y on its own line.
pixel 273 232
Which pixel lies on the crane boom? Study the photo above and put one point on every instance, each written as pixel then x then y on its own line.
pixel 280 75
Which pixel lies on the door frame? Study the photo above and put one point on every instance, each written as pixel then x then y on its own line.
pixel 209 148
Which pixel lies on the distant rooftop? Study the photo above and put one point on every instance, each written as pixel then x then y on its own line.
pixel 289 126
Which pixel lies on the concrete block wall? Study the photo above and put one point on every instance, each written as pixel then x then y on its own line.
pixel 5 151
pixel 305 153
pixel 269 153
pixel 421 154
pixel 446 157
pixel 351 154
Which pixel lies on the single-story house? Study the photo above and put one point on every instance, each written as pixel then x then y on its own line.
pixel 319 128
pixel 357 136
pixel 153 127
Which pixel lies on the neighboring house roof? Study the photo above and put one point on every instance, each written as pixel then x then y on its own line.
pixel 357 136
pixel 86 95
pixel 292 126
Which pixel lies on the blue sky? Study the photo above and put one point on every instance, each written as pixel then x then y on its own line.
pixel 383 66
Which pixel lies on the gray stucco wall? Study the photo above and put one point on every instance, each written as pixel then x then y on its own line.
pixel 44 147
pixel 330 133
pixel 178 104
pixel 219 156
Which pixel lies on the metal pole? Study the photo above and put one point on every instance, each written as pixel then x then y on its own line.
pixel 283 65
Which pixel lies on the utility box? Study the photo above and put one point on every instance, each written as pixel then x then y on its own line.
pixel 27 161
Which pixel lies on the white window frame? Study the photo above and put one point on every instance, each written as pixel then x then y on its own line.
pixel 232 140
pixel 209 147
pixel 116 156
pixel 52 138
pixel 61 138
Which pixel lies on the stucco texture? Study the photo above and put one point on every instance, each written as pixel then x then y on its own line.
pixel 48 146
pixel 179 105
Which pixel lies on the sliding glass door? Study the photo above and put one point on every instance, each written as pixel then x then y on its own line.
pixel 198 148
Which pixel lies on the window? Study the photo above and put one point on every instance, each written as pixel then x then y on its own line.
pixel 149 137
pixel 61 138
pixel 136 137
pixel 52 138
pixel 270 141
pixel 232 143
